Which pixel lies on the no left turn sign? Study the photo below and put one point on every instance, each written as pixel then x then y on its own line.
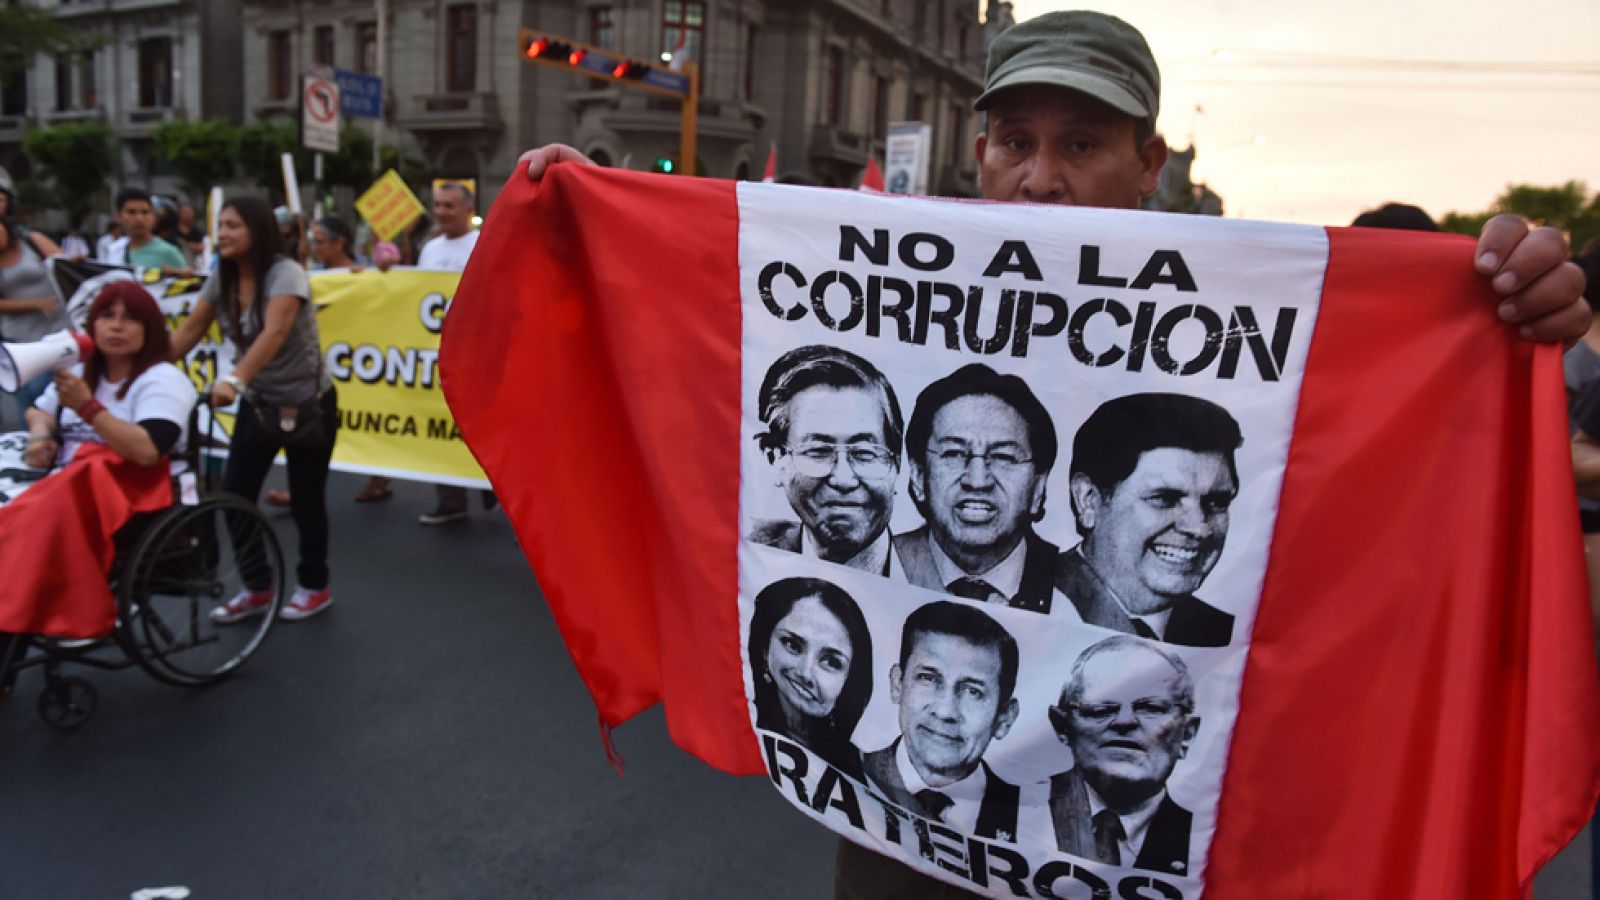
pixel 319 115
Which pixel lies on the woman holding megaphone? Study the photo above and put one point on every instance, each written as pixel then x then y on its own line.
pixel 262 300
pixel 125 395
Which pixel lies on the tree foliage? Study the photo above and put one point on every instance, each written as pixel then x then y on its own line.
pixel 260 148
pixel 26 29
pixel 352 165
pixel 200 152
pixel 80 158
pixel 1568 207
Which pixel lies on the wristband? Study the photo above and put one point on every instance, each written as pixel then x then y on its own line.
pixel 233 379
pixel 89 409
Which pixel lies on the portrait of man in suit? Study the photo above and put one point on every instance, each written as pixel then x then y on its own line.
pixel 953 684
pixel 1152 479
pixel 1127 714
pixel 980 446
pixel 834 435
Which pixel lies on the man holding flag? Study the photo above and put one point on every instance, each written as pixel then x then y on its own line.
pixel 1070 104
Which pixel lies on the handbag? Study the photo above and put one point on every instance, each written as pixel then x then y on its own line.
pixel 300 427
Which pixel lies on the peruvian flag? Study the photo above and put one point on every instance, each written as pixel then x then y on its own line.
pixel 872 178
pixel 770 173
pixel 1051 552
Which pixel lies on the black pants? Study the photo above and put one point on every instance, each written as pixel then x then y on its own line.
pixel 250 455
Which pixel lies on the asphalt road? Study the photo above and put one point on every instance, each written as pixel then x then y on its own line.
pixel 427 737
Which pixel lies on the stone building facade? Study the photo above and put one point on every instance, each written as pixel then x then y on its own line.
pixel 161 59
pixel 818 79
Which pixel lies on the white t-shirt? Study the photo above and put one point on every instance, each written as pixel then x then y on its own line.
pixel 160 392
pixel 447 253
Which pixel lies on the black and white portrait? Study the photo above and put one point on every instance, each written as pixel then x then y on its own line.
pixel 954 686
pixel 1127 712
pixel 810 655
pixel 980 446
pixel 833 439
pixel 1152 479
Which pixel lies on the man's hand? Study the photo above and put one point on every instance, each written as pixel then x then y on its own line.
pixel 541 158
pixel 223 394
pixel 1541 292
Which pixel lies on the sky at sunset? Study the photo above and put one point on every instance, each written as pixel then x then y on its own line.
pixel 1314 111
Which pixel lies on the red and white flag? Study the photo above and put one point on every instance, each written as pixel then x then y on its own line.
pixel 770 173
pixel 872 178
pixel 1053 552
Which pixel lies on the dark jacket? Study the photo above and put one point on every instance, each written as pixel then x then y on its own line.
pixel 1166 842
pixel 1038 571
pixel 1193 623
pixel 997 814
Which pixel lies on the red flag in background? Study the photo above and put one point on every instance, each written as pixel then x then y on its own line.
pixel 770 173
pixel 1413 694
pixel 872 178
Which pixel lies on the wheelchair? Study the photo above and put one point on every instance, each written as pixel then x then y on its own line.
pixel 171 568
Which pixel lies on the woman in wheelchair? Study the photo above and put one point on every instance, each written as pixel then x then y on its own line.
pixel 126 396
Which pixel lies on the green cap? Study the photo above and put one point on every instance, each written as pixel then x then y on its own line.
pixel 1086 51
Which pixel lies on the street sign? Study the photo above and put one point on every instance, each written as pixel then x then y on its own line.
pixel 360 96
pixel 906 152
pixel 319 115
pixel 389 206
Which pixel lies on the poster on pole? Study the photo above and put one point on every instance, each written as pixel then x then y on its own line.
pixel 319 114
pixel 906 158
pixel 389 206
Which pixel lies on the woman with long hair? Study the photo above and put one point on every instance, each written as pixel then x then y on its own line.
pixel 262 300
pixel 811 661
pixel 126 395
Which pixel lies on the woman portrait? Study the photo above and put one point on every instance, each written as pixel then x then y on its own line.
pixel 811 661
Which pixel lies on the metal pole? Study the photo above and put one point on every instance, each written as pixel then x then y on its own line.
pixel 691 110
pixel 382 7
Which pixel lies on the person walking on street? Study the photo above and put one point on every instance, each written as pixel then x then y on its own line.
pixel 262 300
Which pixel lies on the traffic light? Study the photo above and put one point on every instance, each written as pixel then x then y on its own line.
pixel 547 48
pixel 628 70
pixel 601 64
pixel 664 164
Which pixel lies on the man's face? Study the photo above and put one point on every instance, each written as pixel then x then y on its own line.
pixel 1048 144
pixel 450 211
pixel 949 697
pixel 1158 534
pixel 843 510
pixel 1126 730
pixel 979 483
pixel 136 218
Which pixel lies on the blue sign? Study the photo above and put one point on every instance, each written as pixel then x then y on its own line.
pixel 360 96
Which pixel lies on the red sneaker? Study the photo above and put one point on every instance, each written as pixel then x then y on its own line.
pixel 305 603
pixel 246 604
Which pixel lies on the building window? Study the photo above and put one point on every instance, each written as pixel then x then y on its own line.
pixel 750 62
pixel 88 96
pixel 322 45
pixel 155 72
pixel 880 108
pixel 683 22
pixel 461 48
pixel 602 26
pixel 367 48
pixel 833 100
pixel 917 105
pixel 280 65
pixel 63 83
pixel 958 135
pixel 14 95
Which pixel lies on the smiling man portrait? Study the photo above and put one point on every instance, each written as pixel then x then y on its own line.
pixel 1153 477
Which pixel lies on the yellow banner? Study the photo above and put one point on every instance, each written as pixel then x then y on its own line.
pixel 380 338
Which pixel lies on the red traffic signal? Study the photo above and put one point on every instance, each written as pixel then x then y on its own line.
pixel 576 56
pixel 630 70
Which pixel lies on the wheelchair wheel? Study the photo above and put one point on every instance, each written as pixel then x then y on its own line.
pixel 67 702
pixel 190 561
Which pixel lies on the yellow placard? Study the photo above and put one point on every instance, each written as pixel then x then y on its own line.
pixel 389 206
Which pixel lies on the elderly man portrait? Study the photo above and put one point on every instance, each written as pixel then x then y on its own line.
pixel 980 446
pixel 1153 477
pixel 1127 714
pixel 833 437
pixel 953 685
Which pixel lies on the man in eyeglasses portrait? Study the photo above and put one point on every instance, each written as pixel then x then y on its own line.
pixel 1152 480
pixel 1127 714
pixel 833 435
pixel 980 446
